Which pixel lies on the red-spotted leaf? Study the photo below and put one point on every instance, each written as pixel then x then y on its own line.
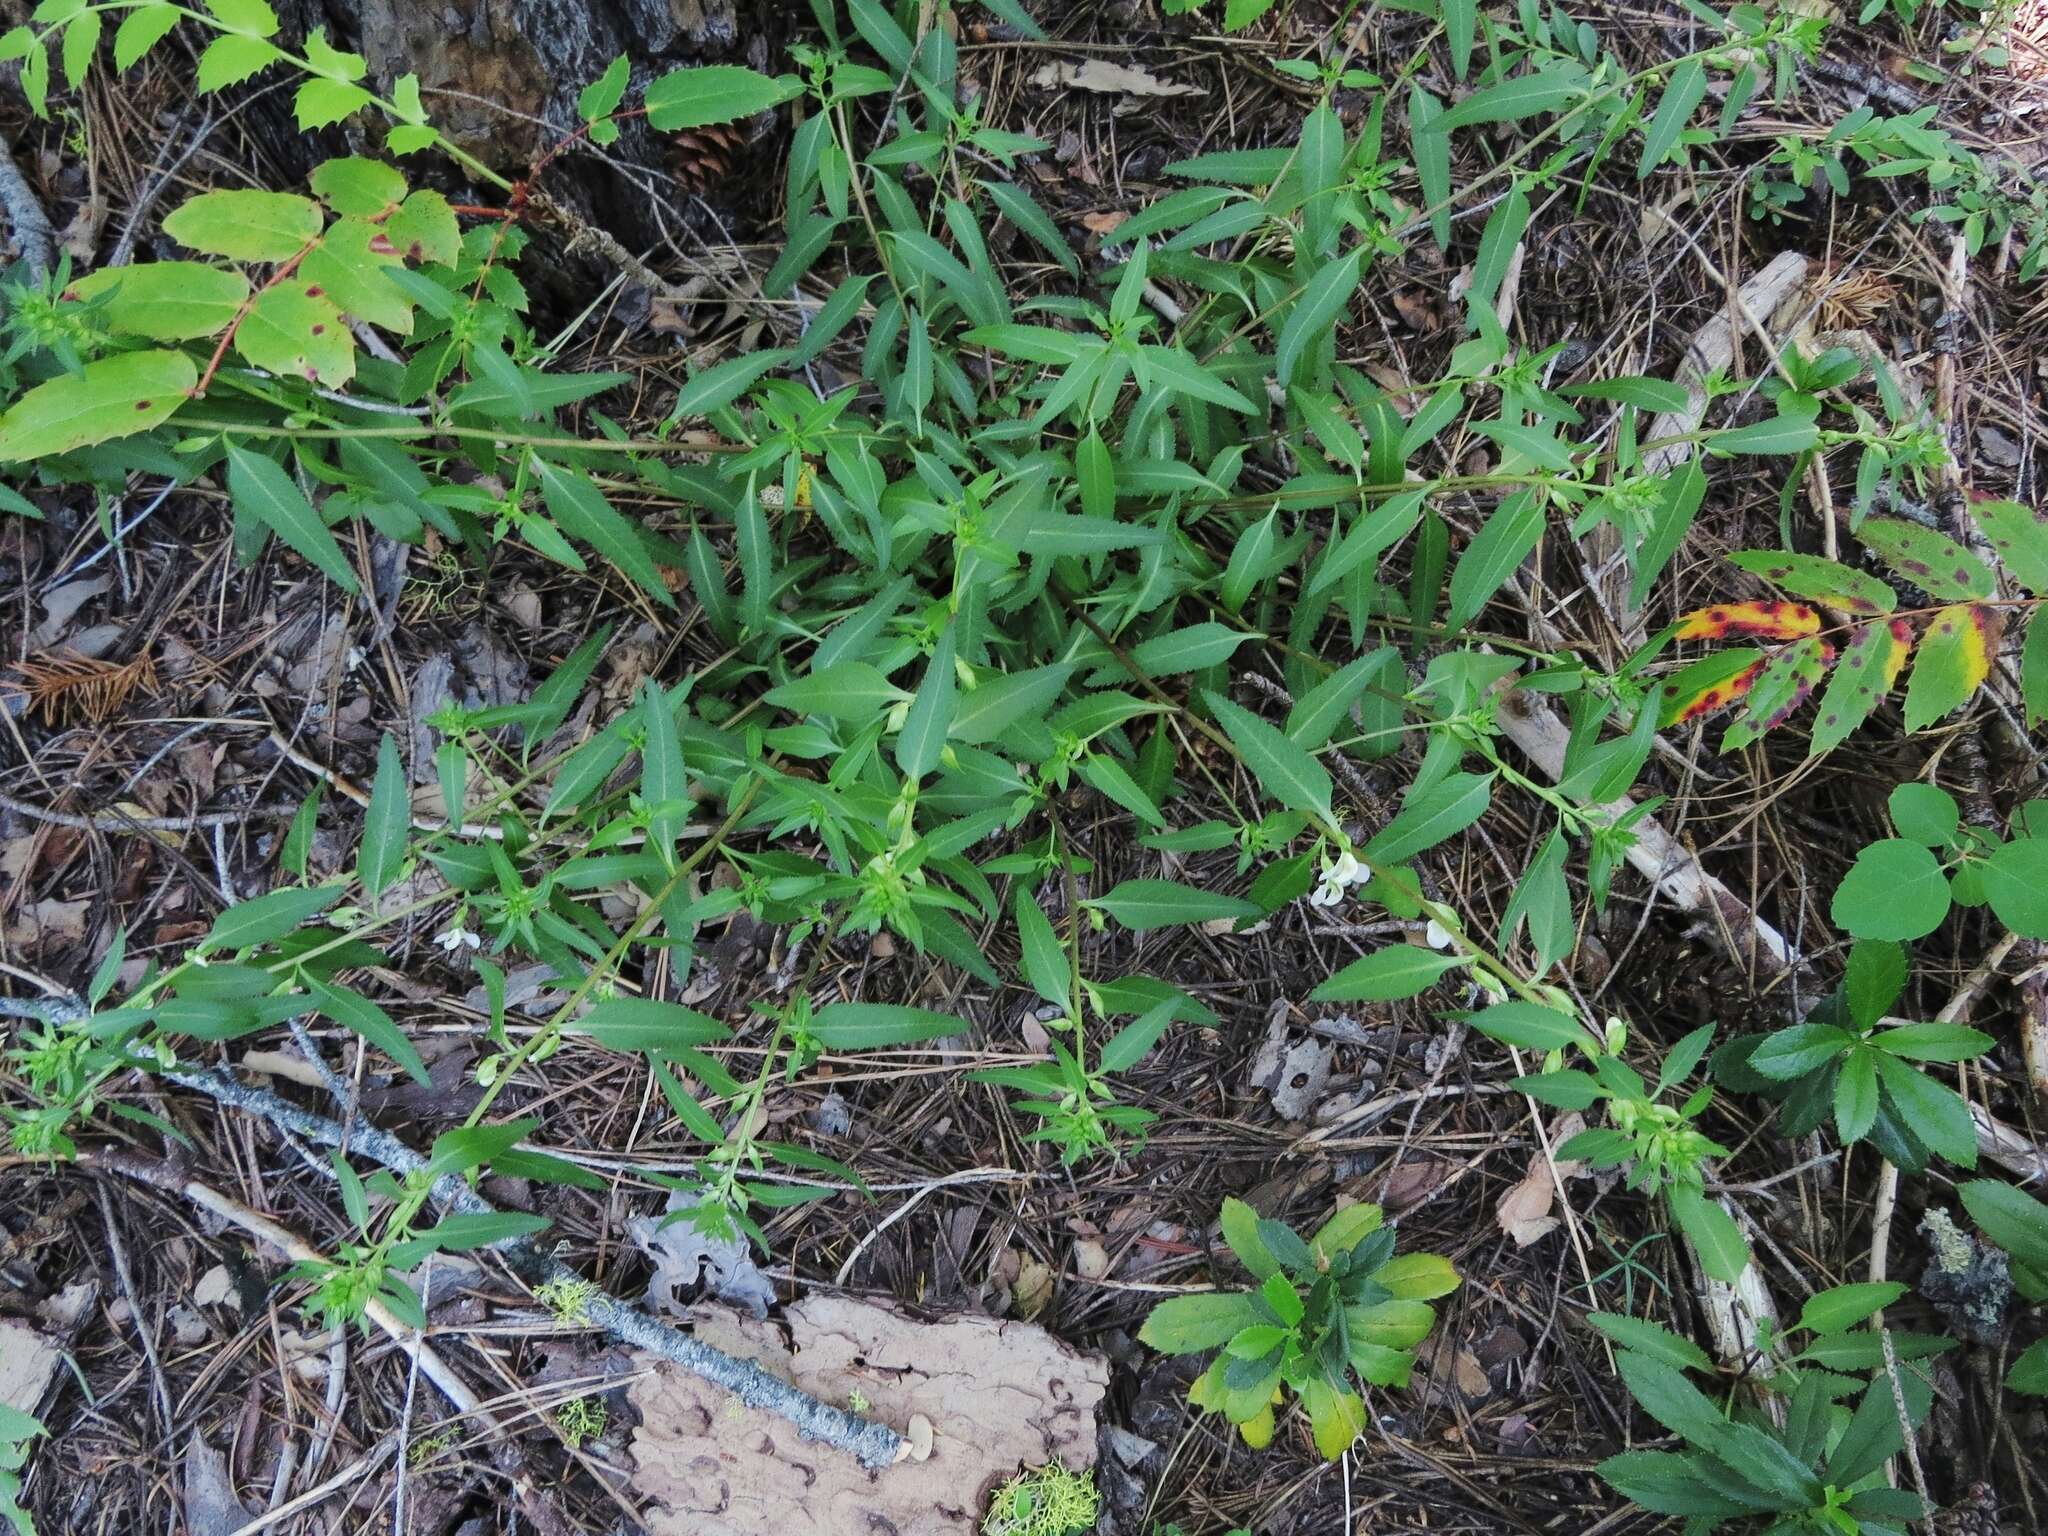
pixel 1779 689
pixel 1902 648
pixel 1709 684
pixel 1955 658
pixel 1763 621
pixel 1825 581
pixel 1930 560
pixel 2020 535
pixel 1862 677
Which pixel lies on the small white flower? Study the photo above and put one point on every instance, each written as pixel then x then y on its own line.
pixel 1438 936
pixel 1339 875
pixel 456 938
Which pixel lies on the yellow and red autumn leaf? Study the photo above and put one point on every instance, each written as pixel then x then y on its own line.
pixel 1759 620
pixel 1902 647
pixel 1703 701
pixel 1953 660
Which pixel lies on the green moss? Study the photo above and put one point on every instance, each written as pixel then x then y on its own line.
pixel 1050 1501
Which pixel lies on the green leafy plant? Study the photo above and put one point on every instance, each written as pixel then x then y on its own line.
pixel 1087 534
pixel 1337 1306
pixel 1048 1501
pixel 18 1430
pixel 1815 1465
pixel 1664 1152
pixel 581 1419
pixel 1854 1066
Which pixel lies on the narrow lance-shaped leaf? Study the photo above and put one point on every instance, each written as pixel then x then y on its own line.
pixel 387 823
pixel 584 513
pixel 1859 681
pixel 1324 299
pixel 263 492
pixel 930 716
pixel 1761 620
pixel 1285 770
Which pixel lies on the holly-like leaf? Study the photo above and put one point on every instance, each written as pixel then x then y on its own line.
pixel 296 331
pixel 232 58
pixel 355 184
pixel 165 300
pixel 348 266
pixel 1930 560
pixel 1837 586
pixel 245 225
pixel 424 229
pixel 1760 620
pixel 1954 659
pixel 112 397
pixel 321 103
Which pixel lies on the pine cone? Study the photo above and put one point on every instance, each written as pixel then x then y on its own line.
pixel 700 158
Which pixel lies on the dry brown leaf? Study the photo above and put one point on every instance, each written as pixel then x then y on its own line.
pixel 28 1361
pixel 1412 1180
pixel 997 1395
pixel 49 921
pixel 1524 1211
pixel 1102 75
pixel 1103 223
pixel 1033 1292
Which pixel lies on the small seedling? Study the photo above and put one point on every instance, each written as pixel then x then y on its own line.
pixel 1337 1305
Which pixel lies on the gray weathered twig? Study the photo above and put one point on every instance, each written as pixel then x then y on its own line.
pixel 874 1445
pixel 25 213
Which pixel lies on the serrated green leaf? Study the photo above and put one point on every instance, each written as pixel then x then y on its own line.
pixel 583 512
pixel 111 397
pixel 1825 581
pixel 1284 769
pixel 246 225
pixel 872 1026
pixel 261 490
pixel 1929 559
pixel 645 1024
pixel 1142 905
pixel 713 93
pixel 1895 890
pixel 1324 300
pixel 1444 810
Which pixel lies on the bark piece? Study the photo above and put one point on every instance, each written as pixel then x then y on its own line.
pixel 999 1396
